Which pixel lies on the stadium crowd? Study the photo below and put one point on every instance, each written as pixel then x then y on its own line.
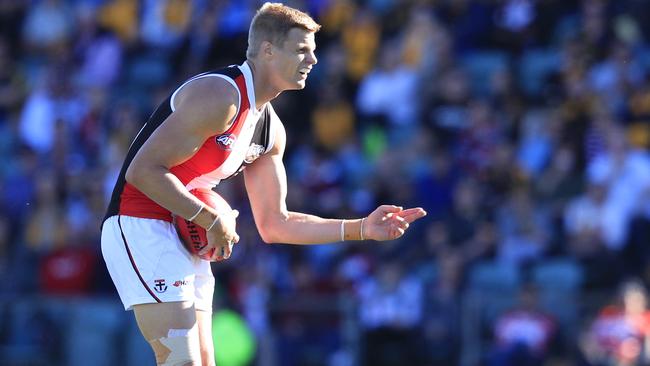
pixel 521 126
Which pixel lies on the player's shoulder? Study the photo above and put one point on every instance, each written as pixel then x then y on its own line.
pixel 210 91
pixel 204 100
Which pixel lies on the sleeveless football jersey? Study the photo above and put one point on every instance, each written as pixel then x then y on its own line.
pixel 220 157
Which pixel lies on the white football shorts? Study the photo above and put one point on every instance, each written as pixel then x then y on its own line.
pixel 149 264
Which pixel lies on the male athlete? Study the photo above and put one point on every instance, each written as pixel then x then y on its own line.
pixel 210 128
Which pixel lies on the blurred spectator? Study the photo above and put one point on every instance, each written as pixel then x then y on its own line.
pixel 441 314
pixel 619 333
pixel 391 334
pixel 523 229
pixel 538 133
pixel 120 16
pixel 419 38
pixel 469 21
pixel 12 16
pixel 478 141
pixel 447 105
pixel 46 228
pixel 361 40
pixel 585 222
pixel 48 25
pixel 57 101
pixel 12 82
pixel 333 120
pixel 164 22
pixel 19 192
pixel 560 181
pixel 389 90
pixel 434 184
pixel 471 228
pixel 619 72
pixel 514 24
pixel 524 334
pixel 99 50
pixel 626 173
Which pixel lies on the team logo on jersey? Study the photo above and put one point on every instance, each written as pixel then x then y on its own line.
pixel 226 141
pixel 160 286
pixel 254 152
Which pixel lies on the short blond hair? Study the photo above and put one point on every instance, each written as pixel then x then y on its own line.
pixel 272 23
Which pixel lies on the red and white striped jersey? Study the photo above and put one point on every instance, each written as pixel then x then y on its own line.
pixel 220 157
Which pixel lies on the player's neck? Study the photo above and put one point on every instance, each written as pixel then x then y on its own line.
pixel 264 90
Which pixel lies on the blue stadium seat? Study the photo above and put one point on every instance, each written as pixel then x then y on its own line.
pixel 559 282
pixel 534 67
pixel 494 276
pixel 481 66
pixel 149 70
pixel 558 274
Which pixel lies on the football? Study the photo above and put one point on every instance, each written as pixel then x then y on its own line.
pixel 192 235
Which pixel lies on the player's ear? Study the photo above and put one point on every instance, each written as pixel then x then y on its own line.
pixel 266 48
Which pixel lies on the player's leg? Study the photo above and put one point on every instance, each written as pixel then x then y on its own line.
pixel 172 331
pixel 204 321
pixel 155 276
pixel 203 296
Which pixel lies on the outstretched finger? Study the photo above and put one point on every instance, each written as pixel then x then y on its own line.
pixel 234 213
pixel 413 214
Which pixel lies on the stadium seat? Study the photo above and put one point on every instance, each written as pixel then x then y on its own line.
pixel 481 66
pixel 534 67
pixel 494 276
pixel 558 274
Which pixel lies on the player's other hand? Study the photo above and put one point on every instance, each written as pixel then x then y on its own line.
pixel 389 222
pixel 222 237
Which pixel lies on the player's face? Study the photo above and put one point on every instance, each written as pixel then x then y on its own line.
pixel 294 59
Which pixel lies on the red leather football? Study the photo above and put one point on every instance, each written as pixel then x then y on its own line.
pixel 192 235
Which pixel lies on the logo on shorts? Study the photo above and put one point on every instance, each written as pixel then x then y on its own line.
pixel 226 141
pixel 160 286
pixel 180 283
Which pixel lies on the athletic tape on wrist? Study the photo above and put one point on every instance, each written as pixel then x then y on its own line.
pixel 213 223
pixel 361 229
pixel 191 219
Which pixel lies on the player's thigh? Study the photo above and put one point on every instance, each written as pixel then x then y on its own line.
pixel 155 320
pixel 204 321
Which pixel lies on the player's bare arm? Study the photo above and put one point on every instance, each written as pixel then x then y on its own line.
pixel 204 107
pixel 266 184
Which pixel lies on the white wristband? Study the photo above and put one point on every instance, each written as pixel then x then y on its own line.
pixel 213 223
pixel 361 230
pixel 342 230
pixel 196 214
